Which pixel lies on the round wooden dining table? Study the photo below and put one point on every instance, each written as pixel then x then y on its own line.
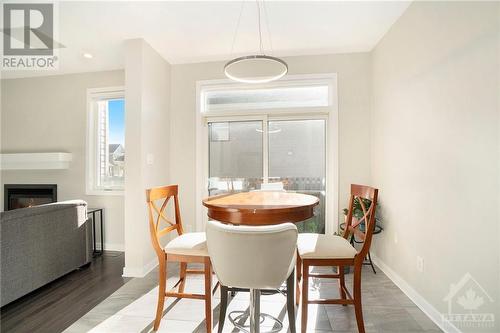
pixel 261 207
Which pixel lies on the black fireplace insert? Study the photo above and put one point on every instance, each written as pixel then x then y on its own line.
pixel 28 195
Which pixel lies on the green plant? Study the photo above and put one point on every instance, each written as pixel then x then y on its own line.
pixel 358 210
pixel 358 214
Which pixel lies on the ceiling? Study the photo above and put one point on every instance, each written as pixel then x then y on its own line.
pixel 185 32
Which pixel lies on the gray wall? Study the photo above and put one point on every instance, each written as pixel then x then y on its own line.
pixel 241 155
pixel 48 114
pixel 297 150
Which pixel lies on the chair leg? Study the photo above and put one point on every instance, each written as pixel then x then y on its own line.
pixel 305 292
pixel 182 276
pixel 208 294
pixel 342 283
pixel 162 284
pixel 290 306
pixel 357 298
pixel 298 269
pixel 223 307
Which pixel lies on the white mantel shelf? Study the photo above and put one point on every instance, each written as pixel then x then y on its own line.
pixel 35 161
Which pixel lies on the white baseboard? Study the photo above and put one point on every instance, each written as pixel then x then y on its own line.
pixel 111 247
pixel 416 298
pixel 140 271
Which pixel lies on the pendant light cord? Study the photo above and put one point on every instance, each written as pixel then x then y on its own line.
pixel 261 44
pixel 266 16
pixel 260 29
pixel 237 27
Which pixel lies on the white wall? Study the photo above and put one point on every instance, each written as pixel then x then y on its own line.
pixel 49 114
pixel 147 88
pixel 354 120
pixel 435 144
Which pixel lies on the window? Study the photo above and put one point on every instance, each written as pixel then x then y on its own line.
pixel 268 98
pixel 235 164
pixel 295 159
pixel 275 136
pixel 105 141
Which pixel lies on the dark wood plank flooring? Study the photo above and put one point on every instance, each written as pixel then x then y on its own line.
pixel 54 307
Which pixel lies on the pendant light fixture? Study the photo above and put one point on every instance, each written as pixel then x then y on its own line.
pixel 255 68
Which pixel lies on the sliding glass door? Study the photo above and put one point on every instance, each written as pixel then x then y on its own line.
pixel 235 156
pixel 279 153
pixel 297 158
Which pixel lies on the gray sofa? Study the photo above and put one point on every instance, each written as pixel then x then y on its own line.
pixel 40 244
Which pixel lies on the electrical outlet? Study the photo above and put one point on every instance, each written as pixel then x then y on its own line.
pixel 420 264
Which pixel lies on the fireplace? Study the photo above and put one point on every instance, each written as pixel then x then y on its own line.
pixel 28 195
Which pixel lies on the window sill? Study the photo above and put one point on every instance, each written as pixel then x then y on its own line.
pixel 106 192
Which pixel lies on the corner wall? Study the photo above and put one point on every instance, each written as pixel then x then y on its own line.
pixel 147 136
pixel 435 150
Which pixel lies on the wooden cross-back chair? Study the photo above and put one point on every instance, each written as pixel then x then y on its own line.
pixel 332 250
pixel 186 248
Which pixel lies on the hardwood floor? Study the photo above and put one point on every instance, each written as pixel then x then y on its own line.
pixel 132 308
pixel 56 306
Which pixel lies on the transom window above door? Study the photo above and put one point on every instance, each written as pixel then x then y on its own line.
pixel 267 97
pixel 291 94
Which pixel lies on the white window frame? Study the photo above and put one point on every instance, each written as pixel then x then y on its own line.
pixel 117 92
pixel 328 113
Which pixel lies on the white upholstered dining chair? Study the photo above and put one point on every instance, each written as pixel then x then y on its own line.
pixel 255 258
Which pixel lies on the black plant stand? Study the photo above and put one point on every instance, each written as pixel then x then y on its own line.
pixel 93 211
pixel 368 261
